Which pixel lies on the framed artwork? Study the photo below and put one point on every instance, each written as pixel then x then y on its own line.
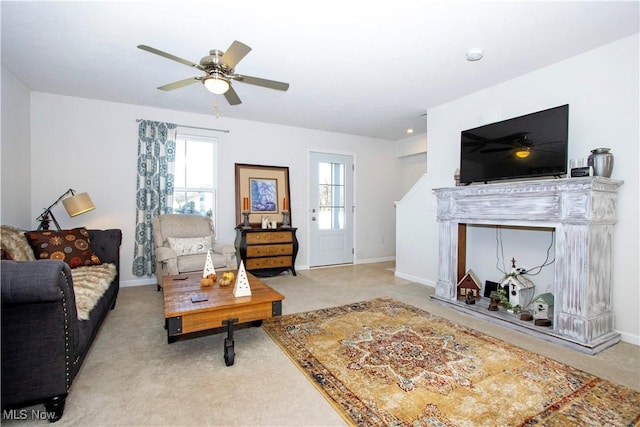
pixel 261 191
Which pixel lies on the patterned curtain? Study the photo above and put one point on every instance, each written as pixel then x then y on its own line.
pixel 154 187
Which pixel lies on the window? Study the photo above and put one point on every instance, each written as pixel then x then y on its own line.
pixel 195 170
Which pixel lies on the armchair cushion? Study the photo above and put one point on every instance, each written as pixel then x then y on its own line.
pixel 224 249
pixel 189 263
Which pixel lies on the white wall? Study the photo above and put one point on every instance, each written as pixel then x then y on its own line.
pixel 15 201
pixel 91 146
pixel 412 154
pixel 410 229
pixel 602 90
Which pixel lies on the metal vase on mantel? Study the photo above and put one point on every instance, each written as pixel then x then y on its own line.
pixel 601 160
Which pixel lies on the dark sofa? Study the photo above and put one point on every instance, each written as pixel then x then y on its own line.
pixel 43 341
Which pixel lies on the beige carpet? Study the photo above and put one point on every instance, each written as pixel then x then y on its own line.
pixel 132 377
pixel 385 363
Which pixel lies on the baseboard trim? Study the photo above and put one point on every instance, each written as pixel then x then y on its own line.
pixel 416 279
pixel 138 282
pixel 629 338
pixel 374 260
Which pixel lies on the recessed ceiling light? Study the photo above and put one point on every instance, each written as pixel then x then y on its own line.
pixel 475 54
pixel 409 131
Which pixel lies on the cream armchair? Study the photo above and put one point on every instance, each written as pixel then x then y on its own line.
pixel 181 243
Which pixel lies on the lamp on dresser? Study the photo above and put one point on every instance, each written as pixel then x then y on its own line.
pixel 75 205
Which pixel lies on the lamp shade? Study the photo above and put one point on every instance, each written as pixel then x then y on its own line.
pixel 78 204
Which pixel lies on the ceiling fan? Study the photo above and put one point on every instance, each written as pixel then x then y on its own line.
pixel 219 71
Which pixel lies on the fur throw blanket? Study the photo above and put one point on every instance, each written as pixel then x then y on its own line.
pixel 89 284
pixel 14 244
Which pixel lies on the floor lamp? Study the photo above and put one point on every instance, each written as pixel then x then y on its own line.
pixel 75 205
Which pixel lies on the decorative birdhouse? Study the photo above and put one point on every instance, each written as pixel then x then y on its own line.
pixel 469 287
pixel 518 288
pixel 543 307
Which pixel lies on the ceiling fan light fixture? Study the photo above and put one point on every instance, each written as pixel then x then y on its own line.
pixel 523 153
pixel 216 85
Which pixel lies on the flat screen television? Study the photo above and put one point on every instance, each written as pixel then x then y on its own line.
pixel 533 145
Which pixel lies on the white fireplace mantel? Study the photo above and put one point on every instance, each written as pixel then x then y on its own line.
pixel 583 213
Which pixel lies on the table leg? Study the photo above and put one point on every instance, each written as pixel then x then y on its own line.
pixel 173 325
pixel 229 353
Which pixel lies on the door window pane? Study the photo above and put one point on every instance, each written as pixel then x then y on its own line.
pixel 331 196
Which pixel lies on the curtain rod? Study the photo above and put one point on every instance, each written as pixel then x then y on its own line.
pixel 194 127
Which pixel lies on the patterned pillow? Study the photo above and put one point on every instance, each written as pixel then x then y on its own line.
pixel 71 246
pixel 190 245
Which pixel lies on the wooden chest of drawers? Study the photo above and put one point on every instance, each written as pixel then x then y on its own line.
pixel 267 251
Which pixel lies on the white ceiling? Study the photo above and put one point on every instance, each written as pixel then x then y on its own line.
pixel 363 68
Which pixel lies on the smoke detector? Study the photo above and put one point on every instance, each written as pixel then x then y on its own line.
pixel 475 54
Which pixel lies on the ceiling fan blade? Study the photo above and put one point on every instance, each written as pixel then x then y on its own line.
pixel 271 84
pixel 537 144
pixel 232 97
pixel 494 150
pixel 180 83
pixel 234 54
pixel 169 56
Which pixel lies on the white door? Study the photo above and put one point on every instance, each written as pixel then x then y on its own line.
pixel 331 209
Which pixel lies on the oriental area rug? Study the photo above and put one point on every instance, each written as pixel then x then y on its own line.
pixel 385 363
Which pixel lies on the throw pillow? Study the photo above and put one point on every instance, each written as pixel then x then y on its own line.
pixel 15 244
pixel 190 245
pixel 71 246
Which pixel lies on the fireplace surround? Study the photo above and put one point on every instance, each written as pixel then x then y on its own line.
pixel 583 213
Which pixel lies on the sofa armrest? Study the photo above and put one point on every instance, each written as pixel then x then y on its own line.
pixel 164 254
pixel 166 262
pixel 39 330
pixel 35 282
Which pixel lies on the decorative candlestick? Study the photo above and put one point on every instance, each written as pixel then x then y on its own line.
pixel 285 219
pixel 245 222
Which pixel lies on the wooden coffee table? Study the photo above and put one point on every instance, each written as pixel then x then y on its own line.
pixel 221 308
